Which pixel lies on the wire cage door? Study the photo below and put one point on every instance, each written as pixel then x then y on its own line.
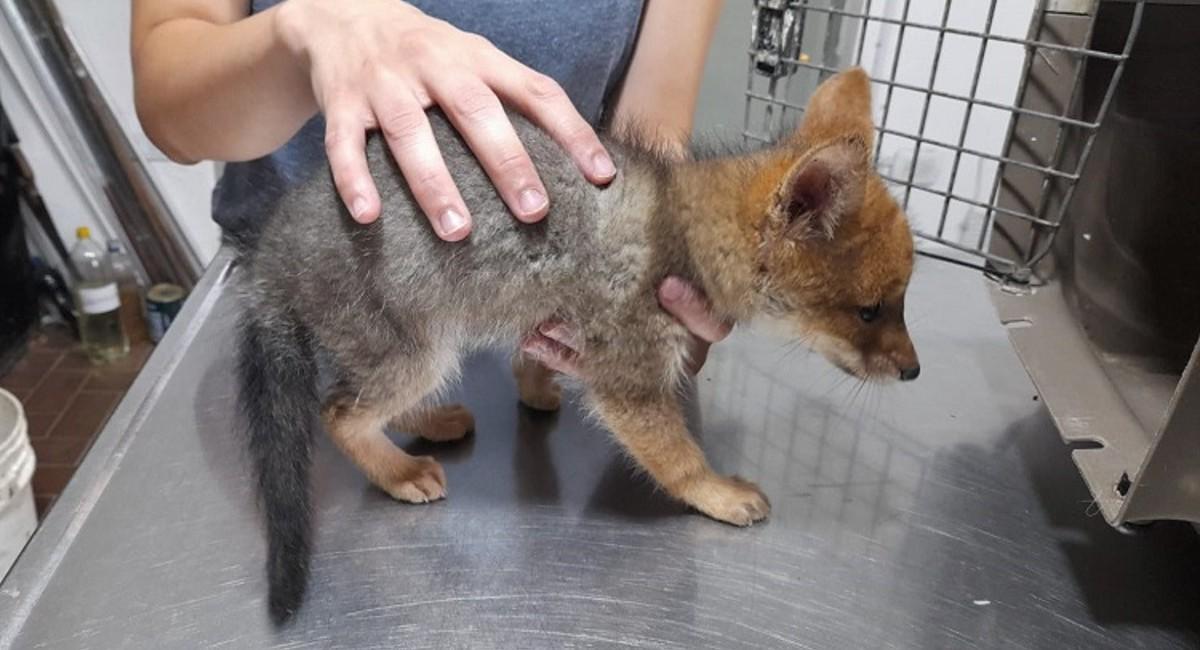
pixel 983 161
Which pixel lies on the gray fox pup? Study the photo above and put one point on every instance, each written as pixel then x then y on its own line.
pixel 803 232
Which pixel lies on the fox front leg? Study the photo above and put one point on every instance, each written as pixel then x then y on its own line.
pixel 654 432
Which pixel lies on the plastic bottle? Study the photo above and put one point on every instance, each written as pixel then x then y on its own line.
pixel 129 288
pixel 97 300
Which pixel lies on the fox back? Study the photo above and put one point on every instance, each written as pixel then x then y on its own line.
pixel 507 276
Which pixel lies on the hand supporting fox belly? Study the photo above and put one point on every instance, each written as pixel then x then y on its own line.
pixel 803 232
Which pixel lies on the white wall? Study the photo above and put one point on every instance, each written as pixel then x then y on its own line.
pixel 100 31
pixel 68 188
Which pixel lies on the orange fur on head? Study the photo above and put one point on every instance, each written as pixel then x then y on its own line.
pixel 834 250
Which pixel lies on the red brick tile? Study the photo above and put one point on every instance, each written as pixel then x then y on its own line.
pixel 41 423
pixel 86 414
pixel 21 394
pixel 27 372
pixel 36 361
pixel 54 337
pixel 110 379
pixel 19 380
pixel 61 450
pixel 44 502
pixel 133 362
pixel 75 359
pixel 49 480
pixel 55 391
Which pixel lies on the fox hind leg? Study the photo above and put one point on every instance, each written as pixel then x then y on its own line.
pixel 355 417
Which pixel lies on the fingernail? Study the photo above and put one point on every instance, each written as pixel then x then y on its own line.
pixel 672 289
pixel 358 208
pixel 603 166
pixel 531 201
pixel 451 221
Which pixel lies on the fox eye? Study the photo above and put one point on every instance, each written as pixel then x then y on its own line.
pixel 869 314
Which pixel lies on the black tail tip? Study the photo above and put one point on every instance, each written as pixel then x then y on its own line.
pixel 283 603
pixel 285 600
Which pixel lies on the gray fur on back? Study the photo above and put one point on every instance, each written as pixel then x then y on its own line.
pixel 368 292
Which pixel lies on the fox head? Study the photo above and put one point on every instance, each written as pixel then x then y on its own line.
pixel 835 250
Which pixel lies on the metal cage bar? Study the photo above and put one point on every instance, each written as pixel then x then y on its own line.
pixel 891 88
pixel 779 51
pixel 933 70
pixel 962 98
pixel 1045 169
pixel 1098 54
pixel 962 133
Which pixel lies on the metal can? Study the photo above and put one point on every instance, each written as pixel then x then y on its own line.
pixel 162 306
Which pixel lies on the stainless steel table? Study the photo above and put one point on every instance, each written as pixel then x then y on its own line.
pixel 941 514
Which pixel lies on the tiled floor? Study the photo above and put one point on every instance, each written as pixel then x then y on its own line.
pixel 67 400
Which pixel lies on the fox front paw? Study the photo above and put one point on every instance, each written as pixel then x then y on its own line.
pixel 420 481
pixel 730 499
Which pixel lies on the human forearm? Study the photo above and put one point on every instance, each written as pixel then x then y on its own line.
pixel 663 82
pixel 207 89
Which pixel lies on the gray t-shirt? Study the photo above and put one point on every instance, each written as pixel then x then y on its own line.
pixel 584 45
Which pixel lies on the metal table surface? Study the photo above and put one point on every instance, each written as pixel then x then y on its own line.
pixel 946 513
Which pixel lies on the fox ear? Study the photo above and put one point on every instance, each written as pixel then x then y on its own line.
pixel 840 108
pixel 823 189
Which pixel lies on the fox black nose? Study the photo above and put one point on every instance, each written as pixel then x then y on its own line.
pixel 909 374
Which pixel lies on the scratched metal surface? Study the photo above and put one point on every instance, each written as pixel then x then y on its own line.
pixel 942 514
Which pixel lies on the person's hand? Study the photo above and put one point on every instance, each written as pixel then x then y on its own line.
pixel 557 346
pixel 382 63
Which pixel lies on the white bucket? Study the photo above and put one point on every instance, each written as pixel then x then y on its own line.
pixel 18 516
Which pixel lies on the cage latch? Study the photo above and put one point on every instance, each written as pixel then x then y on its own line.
pixel 775 38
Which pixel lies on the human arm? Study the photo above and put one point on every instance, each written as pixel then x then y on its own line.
pixel 212 82
pixel 663 81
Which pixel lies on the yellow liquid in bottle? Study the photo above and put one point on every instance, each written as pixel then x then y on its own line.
pixel 100 328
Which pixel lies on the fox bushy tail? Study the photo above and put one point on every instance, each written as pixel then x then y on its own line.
pixel 278 397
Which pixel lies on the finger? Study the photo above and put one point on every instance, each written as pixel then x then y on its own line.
pixel 692 310
pixel 410 138
pixel 542 100
pixel 562 334
pixel 345 146
pixel 551 354
pixel 477 114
